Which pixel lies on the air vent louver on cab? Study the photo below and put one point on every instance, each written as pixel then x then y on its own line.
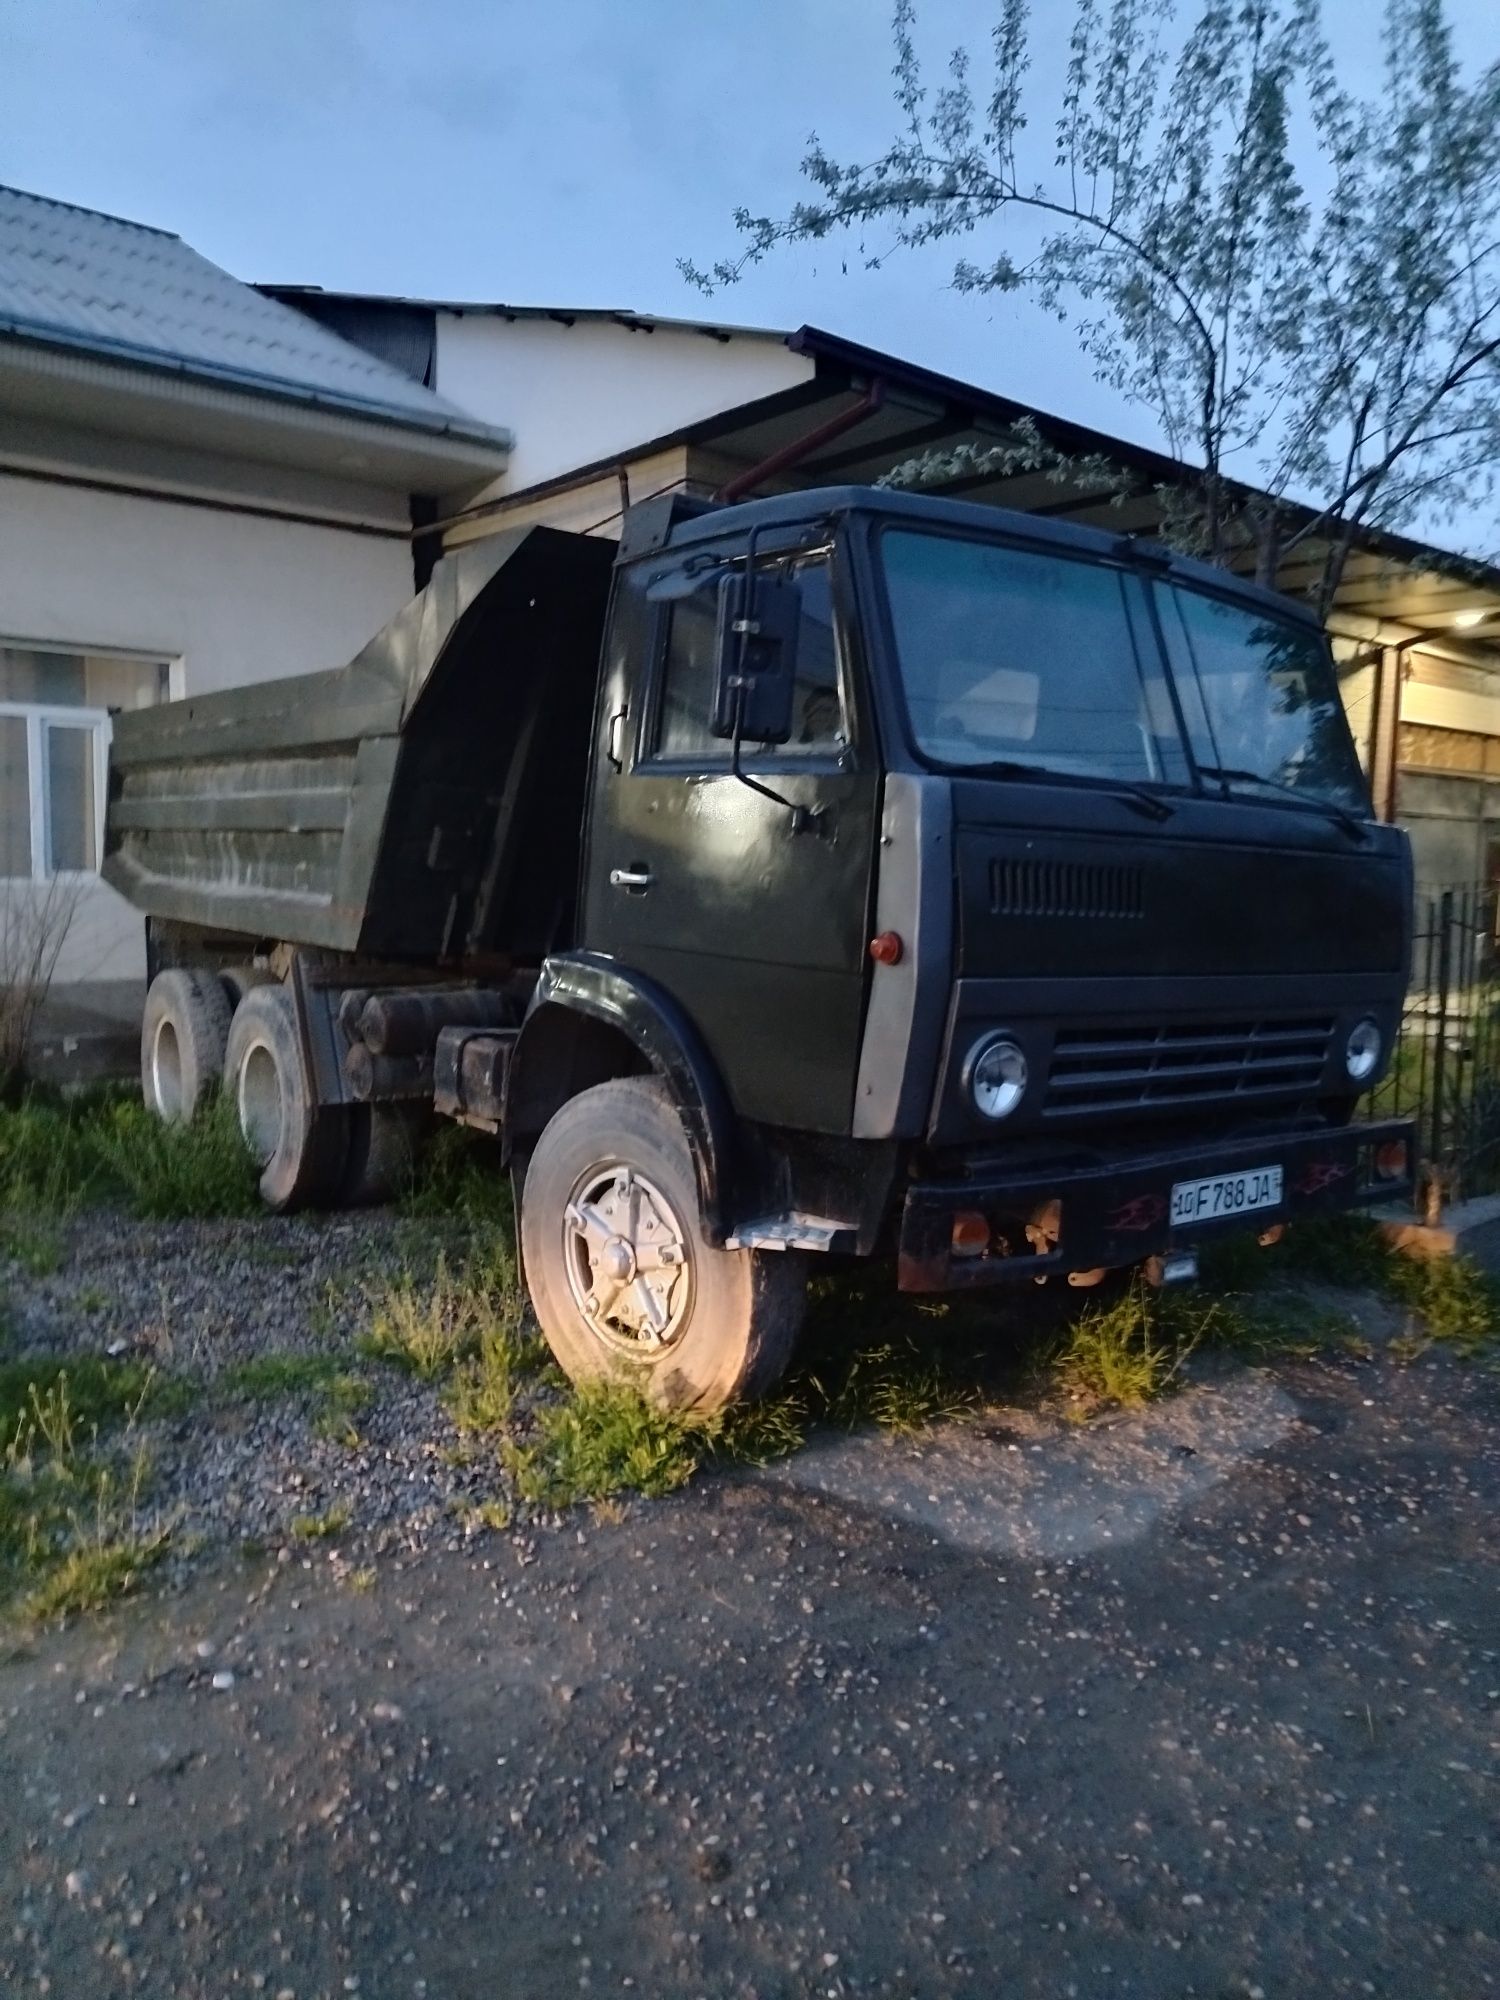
pixel 1044 888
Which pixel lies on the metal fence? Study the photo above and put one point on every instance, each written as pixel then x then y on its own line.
pixel 1446 1070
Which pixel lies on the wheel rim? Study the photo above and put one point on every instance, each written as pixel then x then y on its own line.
pixel 166 1071
pixel 628 1261
pixel 260 1102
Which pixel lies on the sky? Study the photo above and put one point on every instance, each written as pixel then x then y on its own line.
pixel 552 152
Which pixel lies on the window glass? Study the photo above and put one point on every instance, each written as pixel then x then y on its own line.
pixel 47 679
pixel 1012 657
pixel 1261 699
pixel 54 710
pixel 15 798
pixel 688 674
pixel 70 798
pixel 40 677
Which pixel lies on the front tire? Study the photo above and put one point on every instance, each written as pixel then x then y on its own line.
pixel 622 1281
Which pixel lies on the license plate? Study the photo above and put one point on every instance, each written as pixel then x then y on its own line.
pixel 1226 1194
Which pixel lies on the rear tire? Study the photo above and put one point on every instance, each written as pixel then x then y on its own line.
pixel 184 1031
pixel 237 981
pixel 382 1157
pixel 622 1281
pixel 299 1145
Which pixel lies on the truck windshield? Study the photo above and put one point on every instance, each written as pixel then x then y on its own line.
pixel 1260 699
pixel 1012 658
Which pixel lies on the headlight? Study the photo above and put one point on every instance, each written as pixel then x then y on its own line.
pixel 1362 1052
pixel 996 1072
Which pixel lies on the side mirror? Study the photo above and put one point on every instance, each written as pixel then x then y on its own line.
pixel 755 657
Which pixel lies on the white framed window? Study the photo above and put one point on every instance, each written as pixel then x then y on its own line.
pixel 56 707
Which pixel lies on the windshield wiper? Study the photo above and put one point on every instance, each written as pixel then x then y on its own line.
pixel 1228 774
pixel 1144 802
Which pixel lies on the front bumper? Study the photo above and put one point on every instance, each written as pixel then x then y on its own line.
pixel 1045 1223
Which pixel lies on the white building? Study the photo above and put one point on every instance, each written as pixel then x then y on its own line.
pixel 198 487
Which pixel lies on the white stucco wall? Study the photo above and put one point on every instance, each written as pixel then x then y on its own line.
pixel 572 395
pixel 226 597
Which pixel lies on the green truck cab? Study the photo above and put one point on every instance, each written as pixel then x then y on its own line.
pixel 838 874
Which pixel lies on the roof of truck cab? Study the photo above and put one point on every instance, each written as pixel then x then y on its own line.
pixel 817 503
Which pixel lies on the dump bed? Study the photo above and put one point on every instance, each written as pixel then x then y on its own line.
pixel 423 802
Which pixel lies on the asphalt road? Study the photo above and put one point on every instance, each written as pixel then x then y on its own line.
pixel 1198 1703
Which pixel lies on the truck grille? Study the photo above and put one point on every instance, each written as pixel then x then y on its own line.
pixel 1125 1069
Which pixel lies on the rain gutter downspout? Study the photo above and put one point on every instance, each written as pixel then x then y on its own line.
pixel 810 441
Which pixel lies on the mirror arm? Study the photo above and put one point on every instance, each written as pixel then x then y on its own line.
pixel 803 817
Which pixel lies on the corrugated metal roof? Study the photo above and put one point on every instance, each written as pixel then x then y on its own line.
pixel 621 316
pixel 76 278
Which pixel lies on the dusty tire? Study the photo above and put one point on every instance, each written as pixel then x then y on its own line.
pixel 299 1146
pixel 693 1328
pixel 237 980
pixel 184 1031
pixel 383 1143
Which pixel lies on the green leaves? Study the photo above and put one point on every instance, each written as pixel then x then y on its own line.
pixel 1304 289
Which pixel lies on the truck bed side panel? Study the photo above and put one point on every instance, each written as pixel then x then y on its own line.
pixel 360 808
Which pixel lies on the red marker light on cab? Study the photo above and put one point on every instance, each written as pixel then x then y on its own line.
pixel 886 948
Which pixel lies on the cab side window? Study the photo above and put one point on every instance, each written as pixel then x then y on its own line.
pixel 687 676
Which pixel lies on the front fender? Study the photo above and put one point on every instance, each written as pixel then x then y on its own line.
pixel 588 986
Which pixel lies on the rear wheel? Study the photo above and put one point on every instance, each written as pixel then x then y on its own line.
pixel 237 981
pixel 624 1286
pixel 299 1145
pixel 183 1034
pixel 382 1155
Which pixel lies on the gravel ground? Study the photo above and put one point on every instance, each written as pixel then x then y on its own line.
pixel 201 1299
pixel 1216 1716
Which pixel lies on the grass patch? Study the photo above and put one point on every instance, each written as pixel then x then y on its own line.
pixel 1128 1352
pixel 269 1377
pixel 427 1328
pixel 1280 1328
pixel 70 1533
pixel 1346 1250
pixel 94 1573
pixel 604 1439
pixel 172 1171
pixel 88 1392
pixel 49 1159
pixel 1457 1302
pixel 322 1527
pixel 1135 1349
pixel 459 1178
pixel 34 1241
pixel 58 1154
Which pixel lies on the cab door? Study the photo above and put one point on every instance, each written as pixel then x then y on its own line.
pixel 752 915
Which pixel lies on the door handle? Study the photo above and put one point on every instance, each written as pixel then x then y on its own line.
pixel 630 878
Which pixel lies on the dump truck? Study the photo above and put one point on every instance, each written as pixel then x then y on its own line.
pixel 840 874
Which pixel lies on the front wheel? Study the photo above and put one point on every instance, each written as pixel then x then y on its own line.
pixel 623 1283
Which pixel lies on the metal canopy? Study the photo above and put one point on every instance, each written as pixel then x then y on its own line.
pixel 1389 578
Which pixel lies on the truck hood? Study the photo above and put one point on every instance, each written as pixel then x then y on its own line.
pixel 1072 882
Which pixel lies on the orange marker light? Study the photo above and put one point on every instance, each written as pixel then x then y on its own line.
pixel 971 1233
pixel 886 948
